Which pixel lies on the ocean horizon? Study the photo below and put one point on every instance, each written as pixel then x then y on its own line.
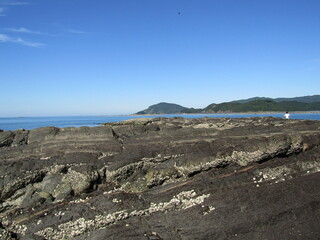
pixel 29 123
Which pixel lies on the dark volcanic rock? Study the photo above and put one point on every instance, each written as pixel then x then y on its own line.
pixel 250 178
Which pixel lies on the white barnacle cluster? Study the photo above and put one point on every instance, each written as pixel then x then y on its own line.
pixel 183 200
pixel 210 209
pixel 59 214
pixel 67 230
pixel 115 200
pixel 240 157
pixel 47 233
pixel 73 228
pixel 115 189
pixel 21 229
pixel 159 158
pixel 102 221
pixel 309 166
pixel 80 200
pixel 243 158
pixel 59 168
pixel 272 175
pixel 77 180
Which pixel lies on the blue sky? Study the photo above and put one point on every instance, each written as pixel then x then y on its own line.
pixel 81 57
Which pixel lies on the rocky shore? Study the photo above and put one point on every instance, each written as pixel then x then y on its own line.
pixel 208 178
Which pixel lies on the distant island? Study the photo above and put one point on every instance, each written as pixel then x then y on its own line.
pixel 256 104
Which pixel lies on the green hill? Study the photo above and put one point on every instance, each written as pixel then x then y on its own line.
pixel 306 99
pixel 163 108
pixel 256 104
pixel 262 106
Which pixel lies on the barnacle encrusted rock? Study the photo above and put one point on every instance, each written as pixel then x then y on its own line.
pixel 183 200
pixel 208 178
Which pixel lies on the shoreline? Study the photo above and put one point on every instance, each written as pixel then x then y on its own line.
pixel 225 113
pixel 29 123
pixel 170 114
pixel 125 115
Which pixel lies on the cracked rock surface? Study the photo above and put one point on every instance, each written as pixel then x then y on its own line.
pixel 208 178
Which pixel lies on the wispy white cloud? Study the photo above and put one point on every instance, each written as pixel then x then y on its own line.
pixel 30 44
pixel 75 31
pixel 11 3
pixel 7 4
pixel 24 30
pixel 2 10
pixel 80 32
pixel 3 38
pixel 7 39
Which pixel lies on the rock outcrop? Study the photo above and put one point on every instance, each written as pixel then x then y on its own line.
pixel 249 178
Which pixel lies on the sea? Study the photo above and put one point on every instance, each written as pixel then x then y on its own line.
pixel 28 123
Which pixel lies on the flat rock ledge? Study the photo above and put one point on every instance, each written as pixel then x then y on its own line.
pixel 162 178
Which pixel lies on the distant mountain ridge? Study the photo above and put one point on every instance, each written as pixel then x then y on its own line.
pixel 263 106
pixel 163 108
pixel 305 99
pixel 256 104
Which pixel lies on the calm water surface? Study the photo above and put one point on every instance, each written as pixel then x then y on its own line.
pixel 14 123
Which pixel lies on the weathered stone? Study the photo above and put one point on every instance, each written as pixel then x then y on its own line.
pixel 33 198
pixel 5 234
pixel 21 137
pixel 250 178
pixel 6 138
